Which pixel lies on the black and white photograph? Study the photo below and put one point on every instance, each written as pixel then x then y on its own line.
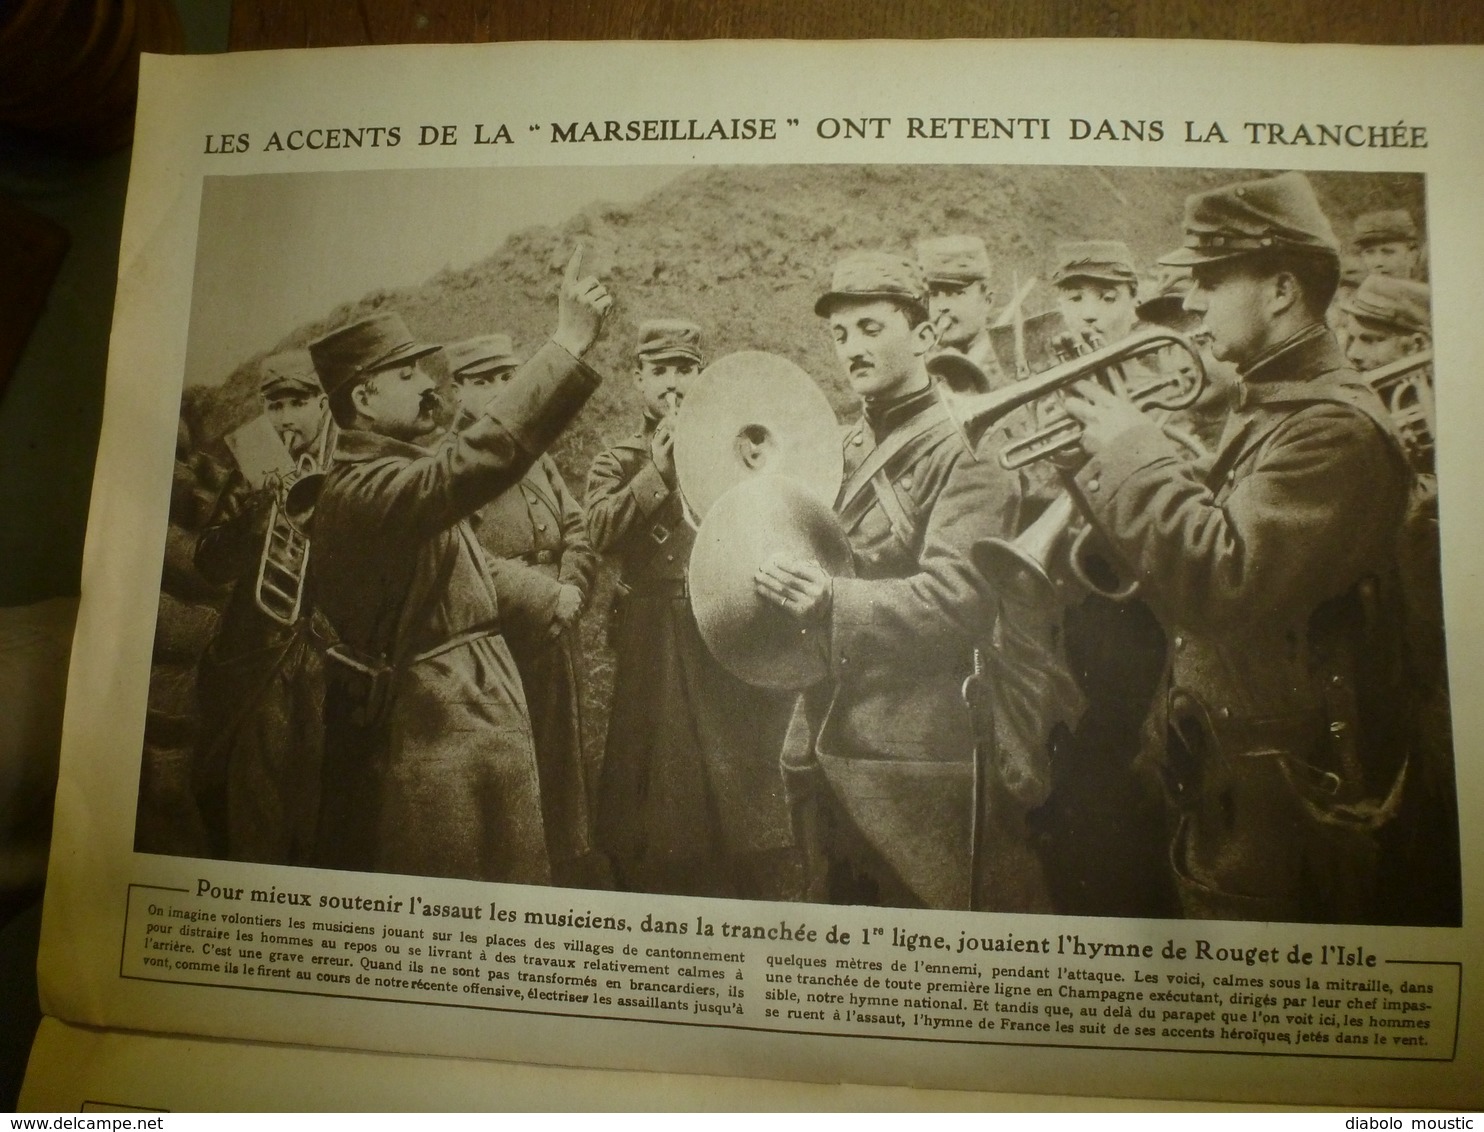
pixel 1000 538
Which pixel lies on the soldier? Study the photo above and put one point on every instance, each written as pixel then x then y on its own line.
pixel 879 758
pixel 429 764
pixel 1391 319
pixel 956 269
pixel 1387 243
pixel 1270 571
pixel 260 686
pixel 690 800
pixel 535 536
pixel 1099 833
pixel 1097 288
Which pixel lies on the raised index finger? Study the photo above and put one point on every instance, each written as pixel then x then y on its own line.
pixel 574 267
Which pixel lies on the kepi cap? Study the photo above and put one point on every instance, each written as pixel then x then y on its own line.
pixel 1400 303
pixel 1107 261
pixel 953 259
pixel 362 348
pixel 1387 226
pixel 1166 307
pixel 873 275
pixel 289 372
pixel 661 338
pixel 485 354
pixel 1274 213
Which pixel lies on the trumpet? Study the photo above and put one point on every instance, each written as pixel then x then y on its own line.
pixel 284 562
pixel 1020 567
pixel 1170 388
pixel 1405 387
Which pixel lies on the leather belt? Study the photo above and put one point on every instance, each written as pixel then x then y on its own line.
pixel 656 589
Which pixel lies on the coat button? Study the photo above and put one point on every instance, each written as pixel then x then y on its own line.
pixel 1225 713
pixel 669 558
pixel 1093 484
pixel 857 440
pixel 540 526
pixel 907 483
pixel 1179 642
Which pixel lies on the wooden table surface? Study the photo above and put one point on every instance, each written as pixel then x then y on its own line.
pixel 325 23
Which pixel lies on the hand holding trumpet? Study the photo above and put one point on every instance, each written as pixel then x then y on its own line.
pixel 1105 416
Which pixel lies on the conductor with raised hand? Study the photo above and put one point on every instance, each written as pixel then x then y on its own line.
pixel 429 765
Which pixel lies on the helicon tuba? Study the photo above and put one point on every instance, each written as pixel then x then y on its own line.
pixel 284 562
pixel 1405 387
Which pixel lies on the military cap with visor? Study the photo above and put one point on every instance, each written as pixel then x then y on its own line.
pixel 664 338
pixel 864 276
pixel 1103 261
pixel 488 353
pixel 1388 226
pixel 1401 304
pixel 289 372
pixel 953 259
pixel 1271 214
pixel 357 351
pixel 1166 307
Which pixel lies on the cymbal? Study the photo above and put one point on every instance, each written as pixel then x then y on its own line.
pixel 750 637
pixel 753 413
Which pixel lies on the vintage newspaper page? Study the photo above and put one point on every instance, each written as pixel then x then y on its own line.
pixel 879 563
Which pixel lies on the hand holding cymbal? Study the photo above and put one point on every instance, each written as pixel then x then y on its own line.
pixel 799 585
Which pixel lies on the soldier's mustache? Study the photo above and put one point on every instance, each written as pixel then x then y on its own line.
pixel 430 403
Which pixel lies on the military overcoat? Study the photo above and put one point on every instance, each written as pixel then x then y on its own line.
pixel 1270 572
pixel 260 694
pixel 430 767
pixel 889 732
pixel 535 535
